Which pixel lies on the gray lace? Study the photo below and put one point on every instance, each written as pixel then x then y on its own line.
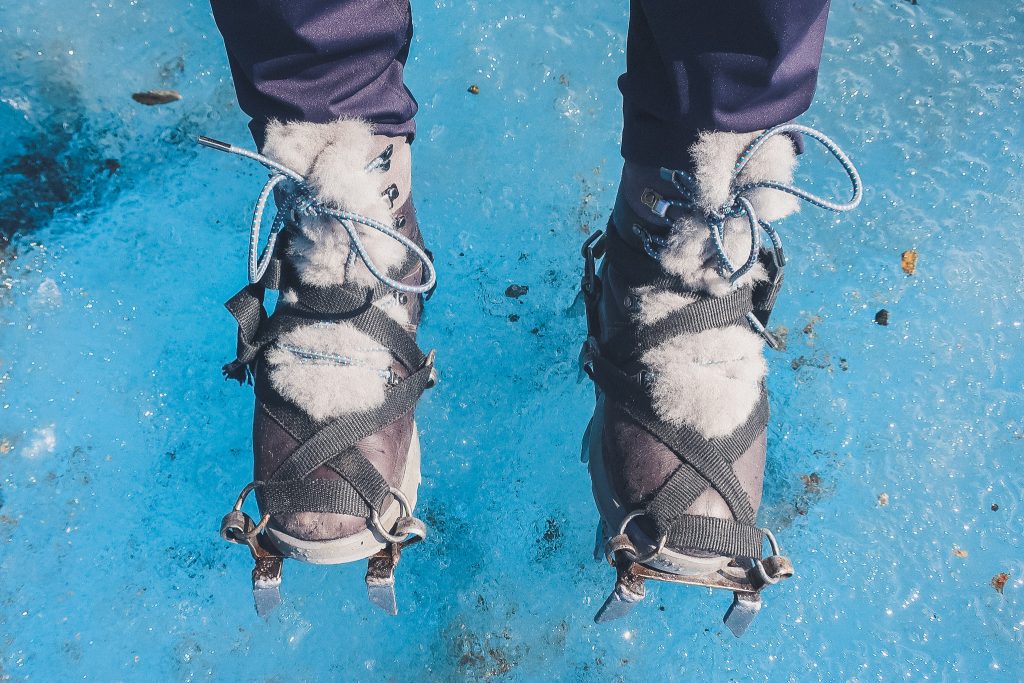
pixel 739 205
pixel 299 199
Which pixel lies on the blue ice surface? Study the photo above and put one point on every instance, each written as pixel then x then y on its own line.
pixel 121 446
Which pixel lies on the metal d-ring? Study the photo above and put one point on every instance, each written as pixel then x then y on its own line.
pixel 659 546
pixel 405 509
pixel 258 529
pixel 771 581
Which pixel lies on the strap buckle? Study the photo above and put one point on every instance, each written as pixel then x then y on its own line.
pixel 593 249
pixel 428 362
pixel 237 526
pixel 590 286
pixel 405 526
pixel 766 293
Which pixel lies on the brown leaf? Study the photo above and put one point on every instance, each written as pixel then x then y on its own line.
pixel 883 498
pixel 151 97
pixel 999 581
pixel 909 261
pixel 959 552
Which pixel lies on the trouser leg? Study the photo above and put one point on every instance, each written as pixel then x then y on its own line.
pixel 734 65
pixel 317 61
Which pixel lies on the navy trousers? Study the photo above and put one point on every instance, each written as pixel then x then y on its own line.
pixel 691 65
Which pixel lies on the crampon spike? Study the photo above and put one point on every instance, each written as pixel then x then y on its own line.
pixel 380 578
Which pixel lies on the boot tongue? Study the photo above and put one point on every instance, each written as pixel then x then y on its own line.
pixel 688 250
pixel 714 157
pixel 351 169
pixel 712 163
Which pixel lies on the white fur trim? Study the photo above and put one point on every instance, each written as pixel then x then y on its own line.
pixel 329 369
pixel 657 304
pixel 690 253
pixel 709 381
pixel 714 158
pixel 333 156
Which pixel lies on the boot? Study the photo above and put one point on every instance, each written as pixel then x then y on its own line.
pixel 336 368
pixel 677 318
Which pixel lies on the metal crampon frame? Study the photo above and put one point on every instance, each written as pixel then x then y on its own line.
pixel 745 578
pixel 238 527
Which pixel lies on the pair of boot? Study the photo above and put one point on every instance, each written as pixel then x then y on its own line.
pixel 677 315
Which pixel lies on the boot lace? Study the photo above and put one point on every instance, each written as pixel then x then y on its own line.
pixel 738 204
pixel 299 199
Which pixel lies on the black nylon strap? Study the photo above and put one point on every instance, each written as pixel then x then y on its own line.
pixel 676 496
pixel 635 268
pixel 715 535
pixel 256 329
pixel 359 477
pixel 702 455
pixel 766 292
pixel 338 436
pixel 311 495
pixel 706 313
pixel 371 321
pixel 272 277
pixel 348 307
pixel 290 417
pixel 361 488
pixel 301 427
pixel 704 463
pixel 711 458
pixel 681 489
pixel 247 309
pixel 621 387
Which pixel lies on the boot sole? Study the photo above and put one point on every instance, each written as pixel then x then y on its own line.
pixel 612 512
pixel 362 544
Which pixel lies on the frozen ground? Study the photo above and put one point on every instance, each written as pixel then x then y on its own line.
pixel 121 447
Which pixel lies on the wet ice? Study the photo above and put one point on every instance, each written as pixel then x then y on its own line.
pixel 121 447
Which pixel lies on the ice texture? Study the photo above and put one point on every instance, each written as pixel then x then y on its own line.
pixel 890 446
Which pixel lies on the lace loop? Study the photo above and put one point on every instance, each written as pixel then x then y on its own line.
pixel 300 199
pixel 738 203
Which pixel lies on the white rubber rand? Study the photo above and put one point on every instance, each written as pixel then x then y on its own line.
pixel 613 512
pixel 360 545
